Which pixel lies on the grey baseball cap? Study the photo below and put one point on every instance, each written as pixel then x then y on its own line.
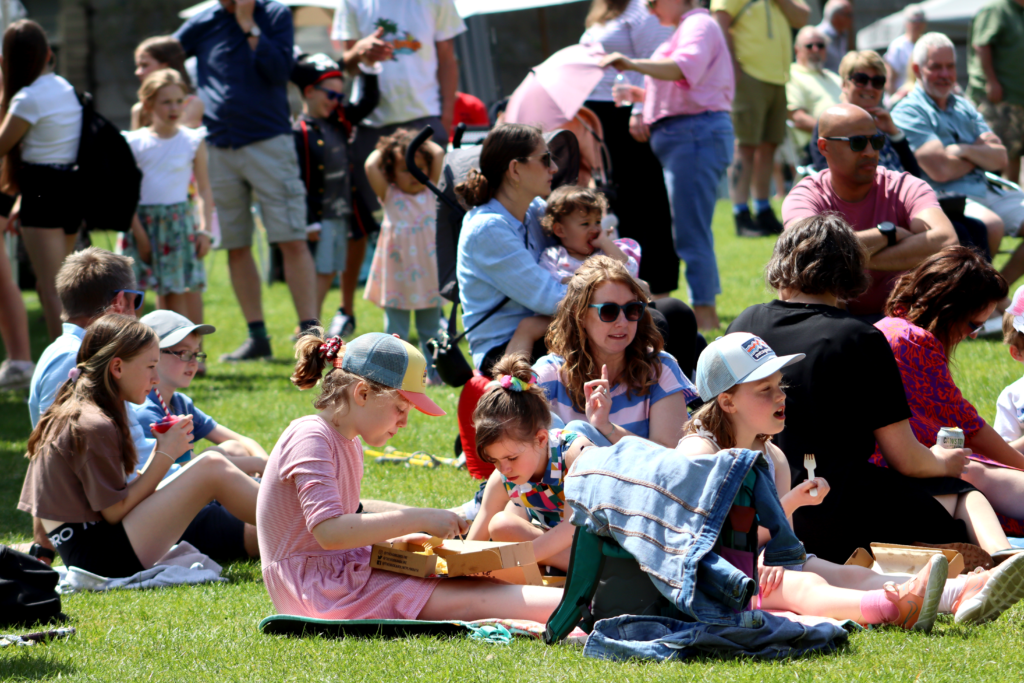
pixel 172 327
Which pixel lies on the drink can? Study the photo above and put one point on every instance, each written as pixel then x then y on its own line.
pixel 950 437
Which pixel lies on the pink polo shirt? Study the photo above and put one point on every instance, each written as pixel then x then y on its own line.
pixel 698 47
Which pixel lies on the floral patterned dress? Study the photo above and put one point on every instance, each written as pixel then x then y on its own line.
pixel 934 398
pixel 403 274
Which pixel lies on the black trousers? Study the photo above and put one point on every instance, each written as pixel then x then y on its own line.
pixel 640 199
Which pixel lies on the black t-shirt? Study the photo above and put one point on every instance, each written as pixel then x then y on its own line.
pixel 847 387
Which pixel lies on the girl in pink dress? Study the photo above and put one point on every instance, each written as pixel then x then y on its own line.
pixel 403 275
pixel 314 543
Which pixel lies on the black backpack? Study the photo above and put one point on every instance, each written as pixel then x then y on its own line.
pixel 109 179
pixel 27 590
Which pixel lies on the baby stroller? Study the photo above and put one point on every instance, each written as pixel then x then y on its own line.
pixel 450 363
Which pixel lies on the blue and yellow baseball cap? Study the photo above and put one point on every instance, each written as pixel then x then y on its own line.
pixel 394 363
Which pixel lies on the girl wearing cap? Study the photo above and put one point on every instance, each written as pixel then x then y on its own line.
pixel 313 543
pixel 740 377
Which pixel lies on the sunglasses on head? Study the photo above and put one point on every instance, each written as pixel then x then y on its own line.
pixel 815 46
pixel 859 142
pixel 139 296
pixel 331 95
pixel 544 157
pixel 186 356
pixel 609 312
pixel 861 79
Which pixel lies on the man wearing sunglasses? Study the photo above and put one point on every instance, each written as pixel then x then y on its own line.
pixel 812 88
pixel 91 283
pixel 954 144
pixel 895 215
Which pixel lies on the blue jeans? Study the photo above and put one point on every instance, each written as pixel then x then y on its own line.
pixel 428 322
pixel 694 151
pixel 667 511
pixel 753 634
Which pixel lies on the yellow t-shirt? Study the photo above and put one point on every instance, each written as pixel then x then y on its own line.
pixel 761 36
pixel 814 92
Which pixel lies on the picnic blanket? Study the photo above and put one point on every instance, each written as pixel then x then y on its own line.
pixel 182 565
pixel 287 624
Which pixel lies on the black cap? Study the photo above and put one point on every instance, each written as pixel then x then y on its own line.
pixel 311 69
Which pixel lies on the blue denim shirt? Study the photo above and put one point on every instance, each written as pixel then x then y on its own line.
pixel 667 510
pixel 922 121
pixel 498 257
pixel 244 90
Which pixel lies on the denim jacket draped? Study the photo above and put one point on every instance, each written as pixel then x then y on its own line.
pixel 667 510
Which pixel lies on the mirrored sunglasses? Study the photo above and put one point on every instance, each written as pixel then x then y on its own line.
pixel 609 312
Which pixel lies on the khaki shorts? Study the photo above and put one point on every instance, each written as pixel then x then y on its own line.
pixel 1007 121
pixel 758 112
pixel 1007 204
pixel 267 172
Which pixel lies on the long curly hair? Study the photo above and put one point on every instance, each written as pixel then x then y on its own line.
pixel 567 338
pixel 944 292
pixel 109 337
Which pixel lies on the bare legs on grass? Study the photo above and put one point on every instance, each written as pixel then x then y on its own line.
pixel 156 524
pixel 47 248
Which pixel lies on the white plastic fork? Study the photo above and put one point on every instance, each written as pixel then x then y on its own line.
pixel 809 465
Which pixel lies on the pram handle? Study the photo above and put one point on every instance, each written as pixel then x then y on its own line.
pixel 419 175
pixel 460 130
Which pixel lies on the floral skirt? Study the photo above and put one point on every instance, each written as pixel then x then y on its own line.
pixel 173 267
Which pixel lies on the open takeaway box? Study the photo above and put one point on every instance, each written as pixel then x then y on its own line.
pixel 508 562
pixel 890 558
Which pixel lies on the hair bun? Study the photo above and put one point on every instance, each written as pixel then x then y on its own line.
pixel 474 190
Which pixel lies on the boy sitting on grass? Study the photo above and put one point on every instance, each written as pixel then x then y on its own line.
pixel 179 359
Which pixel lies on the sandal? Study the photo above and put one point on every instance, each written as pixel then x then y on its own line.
pixel 973 555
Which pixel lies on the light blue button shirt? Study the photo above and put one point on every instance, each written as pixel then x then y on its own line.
pixel 922 121
pixel 52 371
pixel 498 257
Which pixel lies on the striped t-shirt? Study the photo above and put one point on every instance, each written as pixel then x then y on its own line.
pixel 631 412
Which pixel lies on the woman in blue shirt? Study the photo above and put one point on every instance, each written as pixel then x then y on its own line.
pixel 501 239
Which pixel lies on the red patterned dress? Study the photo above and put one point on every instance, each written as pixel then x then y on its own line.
pixel 934 398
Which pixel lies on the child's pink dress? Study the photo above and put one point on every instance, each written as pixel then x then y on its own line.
pixel 403 273
pixel 313 475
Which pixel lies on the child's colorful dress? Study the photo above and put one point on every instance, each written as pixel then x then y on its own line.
pixel 403 274
pixel 314 475
pixel 544 500
pixel 165 212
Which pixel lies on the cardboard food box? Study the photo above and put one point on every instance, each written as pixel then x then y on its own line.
pixel 508 562
pixel 890 558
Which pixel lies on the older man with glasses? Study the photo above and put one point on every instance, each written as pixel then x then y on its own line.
pixel 896 216
pixel 811 88
pixel 955 146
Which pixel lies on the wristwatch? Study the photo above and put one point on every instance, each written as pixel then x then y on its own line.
pixel 254 32
pixel 889 230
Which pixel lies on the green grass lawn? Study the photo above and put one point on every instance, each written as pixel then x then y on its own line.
pixel 208 633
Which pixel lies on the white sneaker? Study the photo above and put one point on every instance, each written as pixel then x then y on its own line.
pixel 988 594
pixel 16 374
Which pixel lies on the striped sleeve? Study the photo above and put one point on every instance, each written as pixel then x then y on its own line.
pixel 672 381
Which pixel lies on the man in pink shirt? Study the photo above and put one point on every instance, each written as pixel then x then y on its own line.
pixel 895 215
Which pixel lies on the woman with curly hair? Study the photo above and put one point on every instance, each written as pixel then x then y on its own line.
pixel 606 365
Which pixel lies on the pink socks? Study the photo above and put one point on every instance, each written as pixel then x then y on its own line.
pixel 877 608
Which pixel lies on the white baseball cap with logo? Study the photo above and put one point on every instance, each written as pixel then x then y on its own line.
pixel 737 358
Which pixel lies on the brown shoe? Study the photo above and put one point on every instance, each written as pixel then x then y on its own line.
pixel 973 555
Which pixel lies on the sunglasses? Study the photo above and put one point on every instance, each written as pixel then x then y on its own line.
pixel 186 356
pixel 545 158
pixel 609 312
pixel 651 4
pixel 815 46
pixel 139 296
pixel 331 95
pixel 859 142
pixel 861 80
